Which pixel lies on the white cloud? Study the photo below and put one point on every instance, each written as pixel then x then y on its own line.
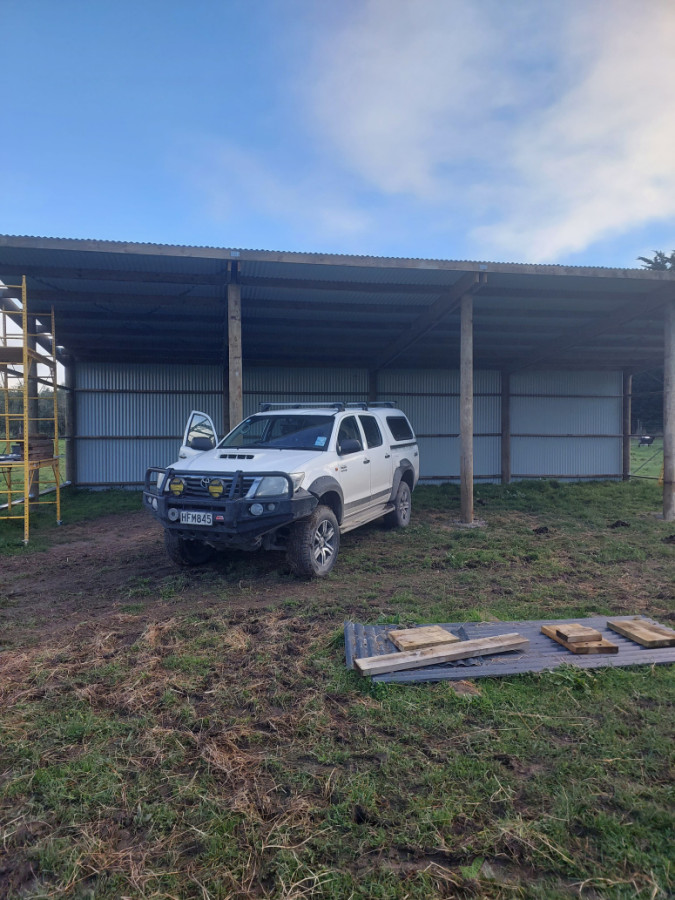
pixel 600 159
pixel 547 126
pixel 236 183
pixel 403 90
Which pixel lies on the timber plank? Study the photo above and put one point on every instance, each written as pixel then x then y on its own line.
pixel 417 659
pixel 576 633
pixel 419 638
pixel 644 632
pixel 601 646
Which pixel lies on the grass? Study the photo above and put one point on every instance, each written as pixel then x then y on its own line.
pixel 647 462
pixel 226 753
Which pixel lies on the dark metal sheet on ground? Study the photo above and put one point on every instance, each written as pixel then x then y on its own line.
pixel 542 653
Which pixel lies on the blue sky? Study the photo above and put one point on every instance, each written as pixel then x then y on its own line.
pixel 529 131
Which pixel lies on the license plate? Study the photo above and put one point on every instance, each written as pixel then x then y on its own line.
pixel 195 518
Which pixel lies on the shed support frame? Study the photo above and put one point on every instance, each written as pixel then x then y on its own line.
pixel 626 418
pixel 466 410
pixel 669 411
pixel 70 370
pixel 506 427
pixel 235 375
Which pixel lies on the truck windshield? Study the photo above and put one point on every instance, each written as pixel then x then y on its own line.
pixel 283 432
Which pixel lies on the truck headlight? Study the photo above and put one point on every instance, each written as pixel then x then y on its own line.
pixel 272 486
pixel 297 478
pixel 176 486
pixel 216 488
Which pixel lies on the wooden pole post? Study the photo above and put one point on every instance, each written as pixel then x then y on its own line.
pixel 669 412
pixel 235 389
pixel 226 398
pixel 71 420
pixel 626 415
pixel 506 428
pixel 466 411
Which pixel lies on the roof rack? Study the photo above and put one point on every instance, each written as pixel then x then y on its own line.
pixel 372 404
pixel 265 407
pixel 337 405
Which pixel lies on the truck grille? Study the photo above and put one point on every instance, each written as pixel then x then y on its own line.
pixel 198 485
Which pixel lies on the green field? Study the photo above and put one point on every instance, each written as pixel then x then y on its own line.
pixel 206 741
pixel 646 462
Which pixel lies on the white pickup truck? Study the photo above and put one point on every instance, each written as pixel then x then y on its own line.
pixel 292 477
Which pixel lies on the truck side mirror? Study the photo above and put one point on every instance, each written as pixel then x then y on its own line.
pixel 201 444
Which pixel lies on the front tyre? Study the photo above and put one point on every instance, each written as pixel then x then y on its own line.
pixel 187 553
pixel 314 543
pixel 400 515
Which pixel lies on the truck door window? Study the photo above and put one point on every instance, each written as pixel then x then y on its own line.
pixel 200 434
pixel 400 429
pixel 349 437
pixel 372 431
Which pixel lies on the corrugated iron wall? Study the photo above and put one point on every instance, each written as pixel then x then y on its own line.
pixel 563 424
pixel 132 417
pixel 308 385
pixel 430 397
pixel 566 424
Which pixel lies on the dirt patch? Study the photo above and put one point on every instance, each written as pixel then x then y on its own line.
pixel 102 568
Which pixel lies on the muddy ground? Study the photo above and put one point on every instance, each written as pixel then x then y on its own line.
pixel 97 569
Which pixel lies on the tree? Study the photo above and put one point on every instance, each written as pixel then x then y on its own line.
pixel 660 261
pixel 648 386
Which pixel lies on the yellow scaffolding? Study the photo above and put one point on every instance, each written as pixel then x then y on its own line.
pixel 29 444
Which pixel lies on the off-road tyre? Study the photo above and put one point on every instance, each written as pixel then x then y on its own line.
pixel 187 553
pixel 313 544
pixel 399 517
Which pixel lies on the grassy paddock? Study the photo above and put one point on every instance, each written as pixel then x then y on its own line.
pixel 646 462
pixel 223 753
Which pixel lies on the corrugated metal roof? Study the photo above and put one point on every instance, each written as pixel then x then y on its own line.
pixel 153 302
pixel 210 251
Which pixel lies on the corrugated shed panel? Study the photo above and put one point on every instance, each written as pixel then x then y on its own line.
pixel 565 415
pixel 106 258
pixel 551 456
pixel 440 415
pixel 565 383
pixel 150 377
pixel 329 298
pixel 439 457
pixel 306 384
pixel 122 462
pixel 143 413
pixel 399 382
pixel 320 271
pixel 541 654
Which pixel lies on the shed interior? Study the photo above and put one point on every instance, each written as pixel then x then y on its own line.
pixel 390 322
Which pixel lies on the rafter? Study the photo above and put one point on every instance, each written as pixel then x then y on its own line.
pixel 429 318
